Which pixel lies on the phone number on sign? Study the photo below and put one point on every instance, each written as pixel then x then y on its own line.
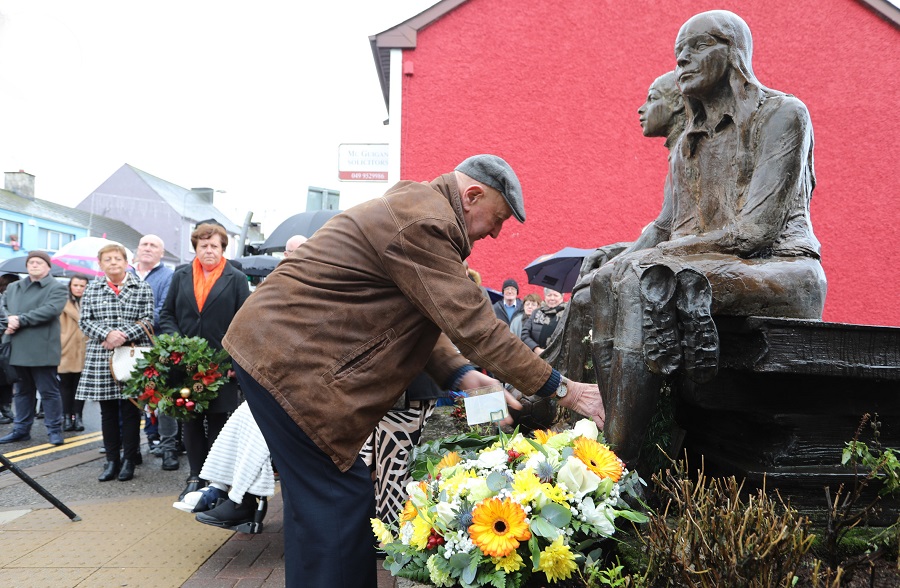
pixel 364 176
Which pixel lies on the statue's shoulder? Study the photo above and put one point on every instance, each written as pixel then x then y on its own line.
pixel 782 112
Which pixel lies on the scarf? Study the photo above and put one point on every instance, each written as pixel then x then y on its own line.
pixel 204 282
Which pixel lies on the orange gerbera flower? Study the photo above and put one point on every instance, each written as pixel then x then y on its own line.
pixel 448 460
pixel 542 436
pixel 497 527
pixel 409 512
pixel 598 458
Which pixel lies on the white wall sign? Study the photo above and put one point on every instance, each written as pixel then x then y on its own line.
pixel 363 162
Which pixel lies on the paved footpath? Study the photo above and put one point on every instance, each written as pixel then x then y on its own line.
pixel 139 542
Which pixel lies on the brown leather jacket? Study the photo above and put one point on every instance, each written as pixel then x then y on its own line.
pixel 342 326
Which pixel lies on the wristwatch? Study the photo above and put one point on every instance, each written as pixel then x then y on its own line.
pixel 563 389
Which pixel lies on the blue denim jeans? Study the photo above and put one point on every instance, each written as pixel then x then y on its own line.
pixel 32 379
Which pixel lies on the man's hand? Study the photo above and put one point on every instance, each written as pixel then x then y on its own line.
pixel 12 323
pixel 475 379
pixel 585 399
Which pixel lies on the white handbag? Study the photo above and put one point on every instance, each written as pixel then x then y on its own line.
pixel 123 359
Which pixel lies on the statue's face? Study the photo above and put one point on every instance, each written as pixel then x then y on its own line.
pixel 656 113
pixel 702 60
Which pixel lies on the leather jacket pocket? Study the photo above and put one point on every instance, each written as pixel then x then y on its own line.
pixel 359 357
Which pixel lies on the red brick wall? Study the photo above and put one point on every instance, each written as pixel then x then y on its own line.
pixel 554 88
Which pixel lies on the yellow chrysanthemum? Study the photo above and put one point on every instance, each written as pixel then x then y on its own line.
pixel 557 494
pixel 525 485
pixel 508 564
pixel 497 527
pixel 381 531
pixel 409 512
pixel 455 483
pixel 542 436
pixel 448 460
pixel 522 446
pixel 557 561
pixel 598 458
pixel 421 531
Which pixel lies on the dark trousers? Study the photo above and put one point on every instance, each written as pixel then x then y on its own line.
pixel 328 539
pixel 33 379
pixel 68 384
pixel 199 434
pixel 126 437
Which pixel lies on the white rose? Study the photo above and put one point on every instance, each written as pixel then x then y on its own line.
pixel 446 512
pixel 416 495
pixel 491 459
pixel 577 478
pixel 587 428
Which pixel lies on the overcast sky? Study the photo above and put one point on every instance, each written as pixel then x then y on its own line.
pixel 249 98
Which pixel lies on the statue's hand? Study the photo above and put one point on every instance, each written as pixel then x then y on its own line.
pixel 593 261
pixel 585 399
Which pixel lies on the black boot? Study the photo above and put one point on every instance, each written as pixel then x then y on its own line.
pixel 110 471
pixel 68 423
pixel 229 514
pixel 6 415
pixel 78 425
pixel 127 471
pixel 170 460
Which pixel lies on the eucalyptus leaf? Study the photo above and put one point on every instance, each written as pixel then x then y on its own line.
pixel 496 481
pixel 542 528
pixel 558 515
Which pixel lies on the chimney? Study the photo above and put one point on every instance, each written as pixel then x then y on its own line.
pixel 204 194
pixel 21 183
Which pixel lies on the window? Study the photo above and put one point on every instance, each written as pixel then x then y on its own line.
pixel 322 199
pixel 10 229
pixel 53 240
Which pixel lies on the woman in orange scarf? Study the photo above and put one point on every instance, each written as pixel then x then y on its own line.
pixel 203 298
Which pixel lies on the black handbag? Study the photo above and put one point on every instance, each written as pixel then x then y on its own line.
pixel 8 374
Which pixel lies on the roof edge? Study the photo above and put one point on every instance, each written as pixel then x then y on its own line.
pixel 887 10
pixel 403 36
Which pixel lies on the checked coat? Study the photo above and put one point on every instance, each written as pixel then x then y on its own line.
pixel 103 311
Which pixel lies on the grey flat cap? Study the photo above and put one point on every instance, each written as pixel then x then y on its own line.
pixel 493 171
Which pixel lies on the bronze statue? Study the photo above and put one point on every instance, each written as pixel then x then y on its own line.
pixel 733 237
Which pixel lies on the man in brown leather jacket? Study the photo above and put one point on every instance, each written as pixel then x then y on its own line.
pixel 330 340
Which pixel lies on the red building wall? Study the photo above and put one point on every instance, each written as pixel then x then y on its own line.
pixel 554 89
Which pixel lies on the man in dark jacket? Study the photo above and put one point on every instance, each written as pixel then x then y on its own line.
pixel 327 344
pixel 510 306
pixel 32 307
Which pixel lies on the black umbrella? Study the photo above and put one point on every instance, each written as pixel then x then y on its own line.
pixel 305 223
pixel 257 265
pixel 557 271
pixel 16 265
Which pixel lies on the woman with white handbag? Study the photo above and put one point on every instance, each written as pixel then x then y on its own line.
pixel 116 311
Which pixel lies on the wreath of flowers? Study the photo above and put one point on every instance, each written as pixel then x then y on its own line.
pixel 179 376
pixel 516 512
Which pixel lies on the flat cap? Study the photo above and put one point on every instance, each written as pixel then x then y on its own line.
pixel 40 255
pixel 493 171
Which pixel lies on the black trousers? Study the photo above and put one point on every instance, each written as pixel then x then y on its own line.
pixel 68 384
pixel 126 437
pixel 328 539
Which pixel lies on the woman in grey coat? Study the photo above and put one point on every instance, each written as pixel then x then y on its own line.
pixel 115 310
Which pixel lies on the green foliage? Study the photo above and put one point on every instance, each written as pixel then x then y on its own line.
pixel 850 507
pixel 435 450
pixel 179 376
